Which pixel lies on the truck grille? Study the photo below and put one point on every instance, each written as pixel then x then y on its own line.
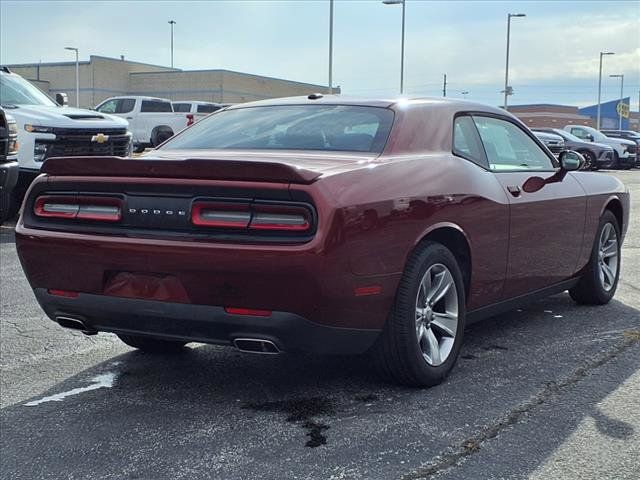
pixel 82 142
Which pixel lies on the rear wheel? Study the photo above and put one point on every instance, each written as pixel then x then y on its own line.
pixel 160 135
pixel 599 281
pixel 420 342
pixel 152 345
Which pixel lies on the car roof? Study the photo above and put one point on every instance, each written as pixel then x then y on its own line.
pixel 398 103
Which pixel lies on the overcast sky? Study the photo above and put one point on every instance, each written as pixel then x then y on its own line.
pixel 554 50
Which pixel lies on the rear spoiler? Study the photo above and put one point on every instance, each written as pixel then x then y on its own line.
pixel 199 169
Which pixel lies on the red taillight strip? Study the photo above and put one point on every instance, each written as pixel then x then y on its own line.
pixel 252 216
pixel 104 209
pixel 62 293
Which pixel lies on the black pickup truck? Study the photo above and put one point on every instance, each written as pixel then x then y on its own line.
pixel 8 162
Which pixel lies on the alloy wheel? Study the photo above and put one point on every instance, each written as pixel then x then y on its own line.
pixel 436 314
pixel 608 256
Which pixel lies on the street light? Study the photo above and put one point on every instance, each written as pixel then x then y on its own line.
pixel 74 49
pixel 397 2
pixel 507 89
pixel 602 54
pixel 330 46
pixel 621 77
pixel 172 23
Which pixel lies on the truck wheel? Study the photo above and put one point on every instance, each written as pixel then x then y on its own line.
pixel 599 280
pixel 160 135
pixel 616 161
pixel 152 345
pixel 138 149
pixel 420 342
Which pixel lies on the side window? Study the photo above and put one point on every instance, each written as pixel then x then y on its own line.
pixel 126 105
pixel 182 107
pixel 109 106
pixel 207 108
pixel 466 142
pixel 579 132
pixel 509 148
pixel 155 106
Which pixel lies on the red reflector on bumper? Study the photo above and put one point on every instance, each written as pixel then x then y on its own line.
pixel 247 311
pixel 370 290
pixel 62 293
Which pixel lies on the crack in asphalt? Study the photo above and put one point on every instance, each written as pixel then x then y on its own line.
pixel 473 444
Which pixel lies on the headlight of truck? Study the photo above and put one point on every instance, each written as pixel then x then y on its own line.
pixel 37 128
pixel 13 137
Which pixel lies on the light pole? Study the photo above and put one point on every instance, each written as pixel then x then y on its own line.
pixel 621 77
pixel 602 54
pixel 74 49
pixel 172 23
pixel 404 3
pixel 507 89
pixel 330 47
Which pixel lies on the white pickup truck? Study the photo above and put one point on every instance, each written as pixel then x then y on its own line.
pixel 151 120
pixel 49 129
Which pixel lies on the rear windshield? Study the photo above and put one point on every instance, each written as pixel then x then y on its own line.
pixel 290 127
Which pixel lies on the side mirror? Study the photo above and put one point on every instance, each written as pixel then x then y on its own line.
pixel 62 99
pixel 589 137
pixel 570 160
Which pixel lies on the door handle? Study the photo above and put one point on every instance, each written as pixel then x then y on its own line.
pixel 514 190
pixel 129 118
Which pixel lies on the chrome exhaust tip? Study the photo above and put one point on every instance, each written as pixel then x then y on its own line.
pixel 75 324
pixel 256 345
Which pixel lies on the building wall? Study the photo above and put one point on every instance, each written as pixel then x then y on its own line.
pixel 550 116
pixel 103 77
pixel 196 85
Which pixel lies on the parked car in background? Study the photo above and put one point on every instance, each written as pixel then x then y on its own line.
pixel 624 151
pixel 151 120
pixel 246 230
pixel 8 162
pixel 596 155
pixel 627 135
pixel 553 142
pixel 48 129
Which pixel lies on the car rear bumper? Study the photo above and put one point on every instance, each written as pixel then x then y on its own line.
pixel 204 323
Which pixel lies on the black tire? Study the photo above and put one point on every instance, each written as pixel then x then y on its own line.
pixel 397 353
pixel 590 289
pixel 161 135
pixel 152 345
pixel 616 161
pixel 138 149
pixel 589 160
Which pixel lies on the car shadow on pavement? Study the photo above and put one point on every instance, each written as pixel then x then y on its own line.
pixel 232 415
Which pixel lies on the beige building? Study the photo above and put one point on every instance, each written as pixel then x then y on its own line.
pixel 104 77
pixel 549 116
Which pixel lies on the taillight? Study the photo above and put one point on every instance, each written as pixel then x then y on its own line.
pixel 103 209
pixel 254 216
pixel 223 215
pixel 190 120
pixel 276 217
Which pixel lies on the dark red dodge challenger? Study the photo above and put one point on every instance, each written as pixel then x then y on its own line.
pixel 322 224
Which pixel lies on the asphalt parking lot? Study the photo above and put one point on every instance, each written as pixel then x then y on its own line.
pixel 549 391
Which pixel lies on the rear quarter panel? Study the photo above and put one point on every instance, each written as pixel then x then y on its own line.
pixel 601 189
pixel 385 209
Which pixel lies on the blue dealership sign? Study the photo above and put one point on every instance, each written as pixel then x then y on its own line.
pixel 609 116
